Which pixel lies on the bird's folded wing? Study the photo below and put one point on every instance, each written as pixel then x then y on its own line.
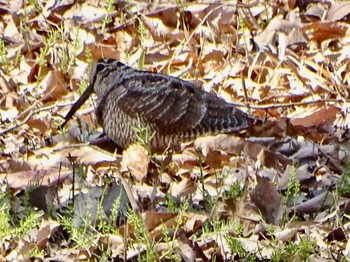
pixel 174 106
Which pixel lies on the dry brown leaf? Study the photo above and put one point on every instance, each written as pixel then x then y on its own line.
pixel 284 76
pixel 47 229
pixel 161 31
pixel 115 243
pixel 39 124
pixel 267 199
pixel 336 235
pixel 318 203
pixel 194 222
pixel 267 37
pixel 216 159
pixel 188 249
pixel 184 188
pixel 320 31
pixel 136 161
pixel 155 219
pixel 269 158
pixel 45 176
pixel 86 155
pixel 314 115
pixel 85 12
pixel 13 165
pixel 226 143
pixel 238 211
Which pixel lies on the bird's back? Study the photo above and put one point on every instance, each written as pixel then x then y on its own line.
pixel 176 110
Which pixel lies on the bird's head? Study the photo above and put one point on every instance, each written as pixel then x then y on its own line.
pixel 106 74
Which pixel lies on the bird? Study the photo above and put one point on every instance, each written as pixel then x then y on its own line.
pixel 174 110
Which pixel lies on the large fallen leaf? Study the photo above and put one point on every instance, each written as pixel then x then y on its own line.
pixel 267 199
pixel 46 176
pixel 313 116
pixel 136 161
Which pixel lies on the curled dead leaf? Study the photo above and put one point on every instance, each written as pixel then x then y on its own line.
pixel 136 161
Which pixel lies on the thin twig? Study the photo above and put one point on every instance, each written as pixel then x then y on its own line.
pixel 26 119
pixel 292 104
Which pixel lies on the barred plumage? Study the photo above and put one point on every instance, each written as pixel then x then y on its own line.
pixel 175 109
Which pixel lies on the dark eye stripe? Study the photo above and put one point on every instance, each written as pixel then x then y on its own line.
pixel 110 60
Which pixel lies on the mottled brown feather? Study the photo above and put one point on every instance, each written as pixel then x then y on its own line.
pixel 175 109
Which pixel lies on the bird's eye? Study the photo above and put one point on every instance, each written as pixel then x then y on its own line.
pixel 99 67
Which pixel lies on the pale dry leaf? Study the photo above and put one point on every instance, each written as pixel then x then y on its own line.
pixel 316 11
pixel 45 176
pixel 194 222
pixel 286 234
pixel 9 108
pixel 54 4
pixel 302 174
pixel 136 161
pixel 161 31
pixel 79 131
pixel 133 252
pixel 266 39
pixel 147 192
pixel 226 143
pixel 183 188
pixel 85 12
pixel 11 6
pixel 11 29
pixel 254 246
pixel 213 53
pixel 78 70
pixel 52 86
pixel 20 76
pixel 338 10
pixel 115 243
pixel 88 155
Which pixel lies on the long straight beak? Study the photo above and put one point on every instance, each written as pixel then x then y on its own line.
pixel 77 104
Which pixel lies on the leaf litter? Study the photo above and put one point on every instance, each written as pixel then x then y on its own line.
pixel 222 197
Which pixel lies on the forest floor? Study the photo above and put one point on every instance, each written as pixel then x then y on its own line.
pixel 280 194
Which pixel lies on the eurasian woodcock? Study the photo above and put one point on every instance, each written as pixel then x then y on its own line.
pixel 173 109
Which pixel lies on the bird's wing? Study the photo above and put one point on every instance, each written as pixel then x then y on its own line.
pixel 174 106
